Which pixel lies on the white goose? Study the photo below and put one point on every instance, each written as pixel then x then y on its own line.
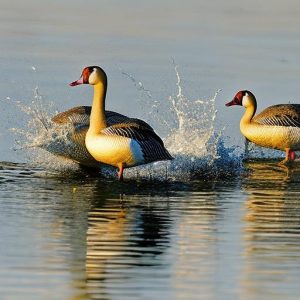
pixel 276 127
pixel 130 143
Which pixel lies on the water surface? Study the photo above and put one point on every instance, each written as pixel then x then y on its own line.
pixel 85 238
pixel 214 227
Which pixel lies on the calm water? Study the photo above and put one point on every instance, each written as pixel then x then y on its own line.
pixel 230 233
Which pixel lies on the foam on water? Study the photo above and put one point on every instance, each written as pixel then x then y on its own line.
pixel 41 138
pixel 197 146
pixel 190 135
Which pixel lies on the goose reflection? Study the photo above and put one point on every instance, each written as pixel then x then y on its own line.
pixel 153 241
pixel 124 234
pixel 272 229
pixel 129 251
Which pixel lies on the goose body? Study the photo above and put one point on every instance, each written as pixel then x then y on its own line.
pixel 129 143
pixel 276 127
pixel 77 121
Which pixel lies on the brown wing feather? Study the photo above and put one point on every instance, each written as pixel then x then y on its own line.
pixel 132 129
pixel 80 115
pixel 280 115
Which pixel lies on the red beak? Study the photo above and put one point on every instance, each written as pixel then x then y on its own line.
pixel 77 82
pixel 235 101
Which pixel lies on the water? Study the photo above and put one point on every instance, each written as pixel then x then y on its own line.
pixel 88 239
pixel 205 226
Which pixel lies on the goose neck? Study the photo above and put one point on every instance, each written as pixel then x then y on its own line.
pixel 97 118
pixel 249 114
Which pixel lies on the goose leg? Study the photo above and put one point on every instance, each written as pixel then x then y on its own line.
pixel 289 156
pixel 292 155
pixel 120 173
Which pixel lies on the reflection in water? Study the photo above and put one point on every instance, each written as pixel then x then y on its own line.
pixel 272 231
pixel 146 244
pixel 127 233
pixel 197 243
pixel 120 241
pixel 106 243
pixel 86 238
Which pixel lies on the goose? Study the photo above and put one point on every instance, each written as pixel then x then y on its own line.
pixel 276 127
pixel 75 122
pixel 127 144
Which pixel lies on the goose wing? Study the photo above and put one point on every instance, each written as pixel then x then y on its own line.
pixel 80 117
pixel 150 143
pixel 280 115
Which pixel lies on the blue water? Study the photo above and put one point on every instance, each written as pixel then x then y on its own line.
pixel 82 237
pixel 206 226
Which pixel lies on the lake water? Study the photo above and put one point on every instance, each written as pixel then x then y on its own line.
pixel 206 226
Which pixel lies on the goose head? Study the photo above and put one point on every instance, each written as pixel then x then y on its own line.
pixel 243 98
pixel 91 75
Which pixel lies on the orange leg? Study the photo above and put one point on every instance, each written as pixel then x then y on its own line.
pixel 120 173
pixel 289 156
pixel 292 155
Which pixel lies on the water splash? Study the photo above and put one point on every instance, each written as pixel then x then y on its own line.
pixel 41 139
pixel 190 135
pixel 197 146
pixel 253 151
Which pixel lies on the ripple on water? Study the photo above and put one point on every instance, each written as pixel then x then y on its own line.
pixel 104 239
pixel 271 230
